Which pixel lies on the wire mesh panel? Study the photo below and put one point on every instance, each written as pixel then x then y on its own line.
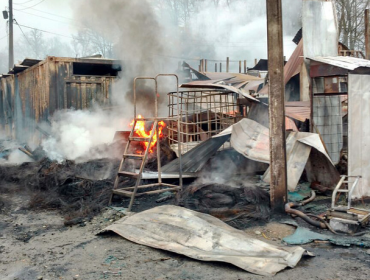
pixel 204 113
pixel 327 116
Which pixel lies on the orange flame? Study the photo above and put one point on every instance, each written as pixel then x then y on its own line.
pixel 141 132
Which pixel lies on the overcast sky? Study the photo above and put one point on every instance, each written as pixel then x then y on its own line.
pixel 55 18
pixel 49 15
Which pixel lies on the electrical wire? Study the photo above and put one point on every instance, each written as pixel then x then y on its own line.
pixel 43 17
pixel 22 32
pixel 49 14
pixel 23 2
pixel 32 6
pixel 25 26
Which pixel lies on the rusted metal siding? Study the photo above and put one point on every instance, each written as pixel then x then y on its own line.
pixel 7 94
pixel 32 96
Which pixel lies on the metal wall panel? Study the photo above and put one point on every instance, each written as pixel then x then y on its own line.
pixel 359 132
pixel 320 36
pixel 327 117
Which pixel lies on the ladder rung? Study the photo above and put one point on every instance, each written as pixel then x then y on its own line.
pixel 133 156
pixel 125 193
pixel 128 174
pixel 140 139
pixel 343 190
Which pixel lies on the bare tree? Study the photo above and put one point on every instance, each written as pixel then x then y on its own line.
pixel 351 26
pixel 88 42
pixel 32 44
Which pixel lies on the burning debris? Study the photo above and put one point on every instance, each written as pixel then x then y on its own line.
pixel 141 131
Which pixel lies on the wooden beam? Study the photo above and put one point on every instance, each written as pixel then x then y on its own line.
pixel 278 185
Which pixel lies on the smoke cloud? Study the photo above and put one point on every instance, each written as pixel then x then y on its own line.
pixel 151 37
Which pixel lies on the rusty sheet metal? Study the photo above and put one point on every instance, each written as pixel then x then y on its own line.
pixel 251 140
pixel 293 66
pixel 345 62
pixel 252 86
pixel 231 76
pixel 203 237
pixel 299 110
pixel 206 84
pixel 290 125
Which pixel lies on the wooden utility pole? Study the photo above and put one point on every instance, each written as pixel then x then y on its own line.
pixel 240 66
pixel 367 34
pixel 278 184
pixel 227 64
pixel 11 48
pixel 245 67
pixel 205 65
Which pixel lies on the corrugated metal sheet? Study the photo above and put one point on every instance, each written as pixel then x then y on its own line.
pixel 320 36
pixel 292 68
pixel 358 132
pixel 299 110
pixel 346 62
pixel 216 85
pixel 33 95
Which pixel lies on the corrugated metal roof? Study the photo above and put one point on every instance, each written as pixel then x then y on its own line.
pixel 346 62
pixel 292 68
pixel 30 62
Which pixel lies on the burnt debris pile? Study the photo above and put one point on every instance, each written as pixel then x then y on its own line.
pixel 235 205
pixel 78 190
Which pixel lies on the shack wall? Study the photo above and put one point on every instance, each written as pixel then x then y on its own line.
pixel 33 95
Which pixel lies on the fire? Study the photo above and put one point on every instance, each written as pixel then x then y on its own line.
pixel 141 132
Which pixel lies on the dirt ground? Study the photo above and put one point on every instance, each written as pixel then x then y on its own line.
pixel 37 245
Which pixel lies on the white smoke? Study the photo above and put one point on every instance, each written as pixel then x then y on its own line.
pixel 9 152
pixel 150 38
pixel 75 133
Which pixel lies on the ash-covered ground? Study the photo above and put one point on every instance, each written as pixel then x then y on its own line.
pixel 51 212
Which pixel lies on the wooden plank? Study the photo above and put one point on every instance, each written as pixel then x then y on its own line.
pixel 278 168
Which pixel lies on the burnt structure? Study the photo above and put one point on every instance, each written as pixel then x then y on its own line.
pixel 33 90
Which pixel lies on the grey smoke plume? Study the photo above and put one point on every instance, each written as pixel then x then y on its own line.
pixel 151 37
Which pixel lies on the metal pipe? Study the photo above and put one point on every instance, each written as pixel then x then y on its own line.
pixel 289 210
pixel 367 34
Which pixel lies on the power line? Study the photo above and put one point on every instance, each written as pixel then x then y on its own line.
pixel 43 17
pixel 51 14
pixel 32 6
pixel 23 2
pixel 47 31
pixel 22 31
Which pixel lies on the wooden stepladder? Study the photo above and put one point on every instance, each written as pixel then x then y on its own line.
pixel 132 191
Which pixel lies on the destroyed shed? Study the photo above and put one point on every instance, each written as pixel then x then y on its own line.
pixel 34 89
